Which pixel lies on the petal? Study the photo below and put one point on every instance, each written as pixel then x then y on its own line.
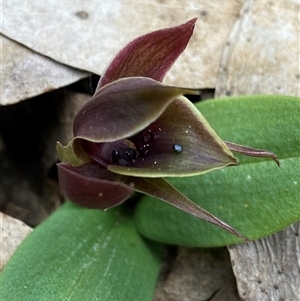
pixel 72 153
pixel 163 190
pixel 150 55
pixel 251 152
pixel 180 125
pixel 123 108
pixel 90 186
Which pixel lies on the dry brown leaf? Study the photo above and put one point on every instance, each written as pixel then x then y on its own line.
pixel 86 35
pixel 197 274
pixel 268 269
pixel 13 232
pixel 26 74
pixel 262 53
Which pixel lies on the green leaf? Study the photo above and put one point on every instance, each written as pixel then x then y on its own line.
pixel 256 198
pixel 83 254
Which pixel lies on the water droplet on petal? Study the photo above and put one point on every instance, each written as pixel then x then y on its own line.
pixel 177 148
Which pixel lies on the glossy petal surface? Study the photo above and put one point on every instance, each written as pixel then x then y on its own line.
pixel 180 124
pixel 123 108
pixel 91 186
pixel 150 55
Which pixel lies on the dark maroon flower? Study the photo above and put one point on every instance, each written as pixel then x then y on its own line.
pixel 135 131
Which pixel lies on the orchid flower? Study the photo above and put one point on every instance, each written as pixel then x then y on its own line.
pixel 135 131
